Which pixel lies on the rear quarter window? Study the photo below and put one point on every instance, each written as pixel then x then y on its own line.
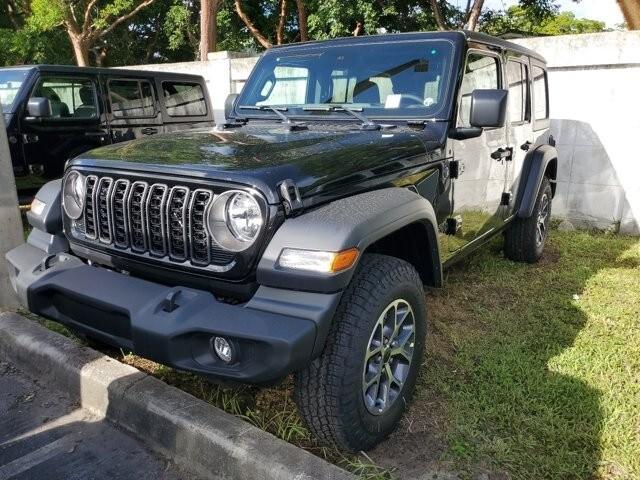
pixel 184 99
pixel 131 98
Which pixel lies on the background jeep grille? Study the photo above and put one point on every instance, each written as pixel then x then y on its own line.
pixel 155 219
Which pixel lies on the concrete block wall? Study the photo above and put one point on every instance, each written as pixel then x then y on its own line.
pixel 594 91
pixel 595 110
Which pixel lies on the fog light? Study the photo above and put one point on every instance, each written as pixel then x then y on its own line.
pixel 223 349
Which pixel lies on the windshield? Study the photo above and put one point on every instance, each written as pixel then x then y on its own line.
pixel 10 83
pixel 407 79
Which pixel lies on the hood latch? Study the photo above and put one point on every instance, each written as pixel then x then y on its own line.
pixel 290 196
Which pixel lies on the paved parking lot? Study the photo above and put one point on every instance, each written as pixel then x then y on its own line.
pixel 43 435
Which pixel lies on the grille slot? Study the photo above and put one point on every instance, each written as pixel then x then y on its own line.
pixel 177 205
pixel 200 243
pixel 89 210
pixel 152 219
pixel 156 219
pixel 102 211
pixel 137 197
pixel 119 213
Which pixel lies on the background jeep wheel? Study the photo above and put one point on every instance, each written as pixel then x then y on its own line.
pixel 354 394
pixel 524 240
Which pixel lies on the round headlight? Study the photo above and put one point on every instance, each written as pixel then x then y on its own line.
pixel 235 220
pixel 244 217
pixel 73 194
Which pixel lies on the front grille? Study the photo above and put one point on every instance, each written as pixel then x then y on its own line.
pixel 152 219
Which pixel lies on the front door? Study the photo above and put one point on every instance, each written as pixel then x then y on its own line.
pixel 77 123
pixel 481 164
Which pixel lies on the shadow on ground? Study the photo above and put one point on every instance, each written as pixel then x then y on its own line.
pixel 492 397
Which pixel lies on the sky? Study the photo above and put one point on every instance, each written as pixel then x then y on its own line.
pixel 606 11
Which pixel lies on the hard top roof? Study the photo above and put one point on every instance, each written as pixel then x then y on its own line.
pixel 457 36
pixel 96 70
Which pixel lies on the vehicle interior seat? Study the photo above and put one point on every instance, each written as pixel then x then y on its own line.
pixel 87 109
pixel 59 109
pixel 366 92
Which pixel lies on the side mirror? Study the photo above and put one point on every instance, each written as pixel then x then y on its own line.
pixel 488 108
pixel 229 103
pixel 39 107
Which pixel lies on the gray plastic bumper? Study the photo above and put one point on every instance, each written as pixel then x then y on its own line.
pixel 275 333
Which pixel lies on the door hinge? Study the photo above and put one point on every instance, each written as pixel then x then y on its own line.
pixel 290 196
pixel 506 198
pixel 455 169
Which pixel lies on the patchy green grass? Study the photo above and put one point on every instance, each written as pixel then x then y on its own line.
pixel 532 371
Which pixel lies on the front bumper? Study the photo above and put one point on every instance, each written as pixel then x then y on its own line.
pixel 277 332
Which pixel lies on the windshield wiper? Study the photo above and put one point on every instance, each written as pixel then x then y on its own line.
pixel 278 111
pixel 367 124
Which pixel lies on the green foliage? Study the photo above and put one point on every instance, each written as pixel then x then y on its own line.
pixel 32 31
pixel 526 20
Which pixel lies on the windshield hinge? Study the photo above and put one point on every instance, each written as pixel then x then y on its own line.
pixel 290 196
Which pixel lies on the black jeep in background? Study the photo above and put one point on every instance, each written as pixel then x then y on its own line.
pixel 54 113
pixel 299 237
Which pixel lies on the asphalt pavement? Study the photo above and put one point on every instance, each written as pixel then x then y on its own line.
pixel 44 435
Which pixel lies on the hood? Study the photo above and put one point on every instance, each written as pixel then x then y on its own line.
pixel 319 160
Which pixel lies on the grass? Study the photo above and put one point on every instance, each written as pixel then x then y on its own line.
pixel 532 371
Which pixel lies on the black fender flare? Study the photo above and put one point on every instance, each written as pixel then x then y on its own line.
pixel 356 221
pixel 534 167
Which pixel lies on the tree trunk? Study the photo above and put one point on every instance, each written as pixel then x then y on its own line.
pixel 215 8
pixel 437 15
pixel 302 21
pixel 262 40
pixel 80 49
pixel 358 30
pixel 474 15
pixel 206 29
pixel 282 17
pixel 631 12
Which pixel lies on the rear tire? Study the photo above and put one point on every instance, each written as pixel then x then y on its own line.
pixel 355 393
pixel 525 238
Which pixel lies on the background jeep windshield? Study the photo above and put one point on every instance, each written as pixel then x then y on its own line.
pixel 400 79
pixel 10 83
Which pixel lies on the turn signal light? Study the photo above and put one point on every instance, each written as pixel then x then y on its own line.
pixel 317 261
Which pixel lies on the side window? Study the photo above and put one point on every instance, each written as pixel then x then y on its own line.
pixel 183 99
pixel 131 98
pixel 71 98
pixel 518 81
pixel 287 86
pixel 540 93
pixel 481 72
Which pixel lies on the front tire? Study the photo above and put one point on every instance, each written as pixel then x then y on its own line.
pixel 525 238
pixel 355 393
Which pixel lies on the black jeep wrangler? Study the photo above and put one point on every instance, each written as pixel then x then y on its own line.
pixel 298 237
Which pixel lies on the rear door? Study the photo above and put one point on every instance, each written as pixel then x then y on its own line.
pixel 521 137
pixel 184 104
pixel 134 111
pixel 77 123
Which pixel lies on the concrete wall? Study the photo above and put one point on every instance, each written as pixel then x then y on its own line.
pixel 11 233
pixel 594 83
pixel 595 109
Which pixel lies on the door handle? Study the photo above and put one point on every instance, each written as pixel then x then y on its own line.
pixel 30 138
pixel 502 153
pixel 149 130
pixel 525 146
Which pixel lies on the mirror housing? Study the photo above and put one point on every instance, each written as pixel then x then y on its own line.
pixel 39 107
pixel 229 103
pixel 488 108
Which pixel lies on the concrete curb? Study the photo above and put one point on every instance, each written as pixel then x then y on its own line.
pixel 198 437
